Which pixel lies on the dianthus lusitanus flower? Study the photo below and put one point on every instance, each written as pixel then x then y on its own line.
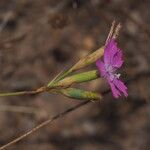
pixel 113 60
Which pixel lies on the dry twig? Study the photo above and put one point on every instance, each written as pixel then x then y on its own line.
pixel 60 115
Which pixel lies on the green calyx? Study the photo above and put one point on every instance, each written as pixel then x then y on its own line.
pixel 77 78
pixel 80 94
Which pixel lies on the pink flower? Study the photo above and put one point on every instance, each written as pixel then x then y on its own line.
pixel 112 61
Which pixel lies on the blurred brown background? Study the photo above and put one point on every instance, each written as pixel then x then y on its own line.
pixel 38 39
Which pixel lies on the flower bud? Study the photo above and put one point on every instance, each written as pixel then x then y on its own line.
pixel 77 78
pixel 80 94
pixel 89 59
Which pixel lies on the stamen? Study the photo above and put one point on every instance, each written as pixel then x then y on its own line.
pixel 118 75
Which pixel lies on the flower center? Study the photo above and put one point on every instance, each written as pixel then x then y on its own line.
pixel 111 72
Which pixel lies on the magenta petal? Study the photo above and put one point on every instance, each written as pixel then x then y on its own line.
pixel 113 55
pixel 114 90
pixel 121 86
pixel 112 61
pixel 117 59
pixel 101 67
pixel 109 51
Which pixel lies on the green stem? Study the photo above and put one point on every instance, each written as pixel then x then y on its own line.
pixel 13 93
pixel 39 90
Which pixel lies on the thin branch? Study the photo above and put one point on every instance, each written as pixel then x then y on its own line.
pixel 62 114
